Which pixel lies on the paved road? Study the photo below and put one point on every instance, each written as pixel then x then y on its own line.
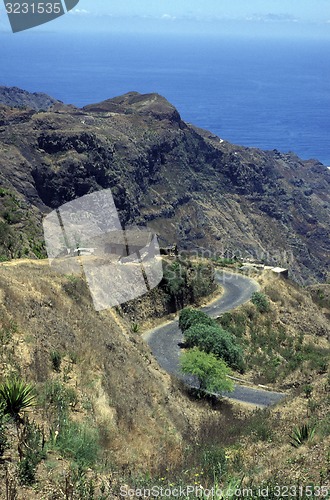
pixel 165 340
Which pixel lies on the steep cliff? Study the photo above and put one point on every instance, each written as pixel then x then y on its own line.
pixel 188 185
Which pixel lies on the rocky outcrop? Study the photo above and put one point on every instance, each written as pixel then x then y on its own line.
pixel 18 98
pixel 153 105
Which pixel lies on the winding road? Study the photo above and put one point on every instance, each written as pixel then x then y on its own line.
pixel 164 341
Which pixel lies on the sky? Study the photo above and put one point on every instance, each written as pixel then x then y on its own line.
pixel 307 10
pixel 247 16
pixel 251 17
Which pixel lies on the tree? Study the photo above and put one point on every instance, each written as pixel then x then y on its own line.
pixel 189 317
pixel 215 340
pixel 175 276
pixel 211 372
pixel 175 281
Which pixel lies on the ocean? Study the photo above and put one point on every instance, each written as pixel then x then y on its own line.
pixel 266 93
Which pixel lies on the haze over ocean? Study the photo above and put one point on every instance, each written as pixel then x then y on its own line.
pixel 268 93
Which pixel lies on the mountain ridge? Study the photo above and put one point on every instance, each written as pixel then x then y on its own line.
pixel 19 98
pixel 187 184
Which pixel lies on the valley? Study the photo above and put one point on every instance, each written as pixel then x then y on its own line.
pixel 106 407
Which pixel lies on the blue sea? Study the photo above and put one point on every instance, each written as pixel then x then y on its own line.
pixel 267 93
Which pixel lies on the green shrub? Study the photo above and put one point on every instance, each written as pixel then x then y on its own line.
pixel 308 389
pixel 211 372
pixel 225 261
pixel 214 461
pixel 58 397
pixel 81 486
pixel 79 442
pixel 202 282
pixel 260 301
pixel 174 278
pixel 26 471
pixel 12 217
pixel 56 359
pixel 234 322
pixel 316 356
pixel 215 340
pixel 189 317
pixel 31 444
pixel 16 396
pixel 185 282
pixel 39 250
pixel 226 319
pixel 197 334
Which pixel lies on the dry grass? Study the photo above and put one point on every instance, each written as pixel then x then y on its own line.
pixel 289 345
pixel 310 463
pixel 140 415
pixel 144 418
pixel 294 310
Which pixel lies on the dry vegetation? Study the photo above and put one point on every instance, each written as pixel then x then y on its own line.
pixel 90 368
pixel 288 345
pixel 116 383
pixel 135 424
pixel 295 333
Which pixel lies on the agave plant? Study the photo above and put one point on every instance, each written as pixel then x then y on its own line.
pixel 135 327
pixel 301 434
pixel 16 396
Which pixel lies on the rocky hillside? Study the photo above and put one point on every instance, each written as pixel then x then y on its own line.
pixel 107 416
pixel 89 369
pixel 18 98
pixel 188 185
